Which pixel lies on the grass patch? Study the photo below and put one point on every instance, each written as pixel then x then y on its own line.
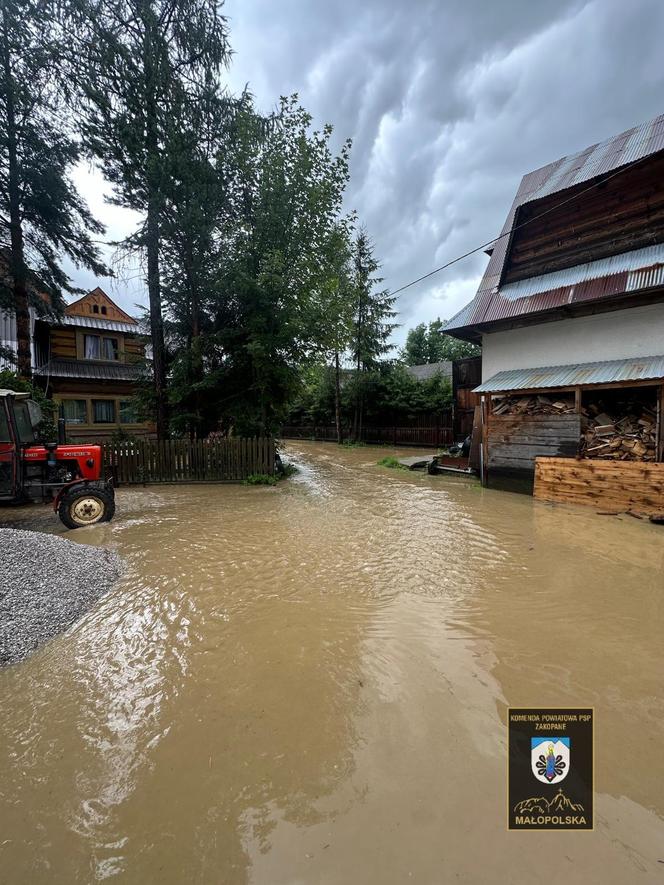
pixel 391 462
pixel 260 479
pixel 265 479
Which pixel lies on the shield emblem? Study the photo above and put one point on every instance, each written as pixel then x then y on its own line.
pixel 549 758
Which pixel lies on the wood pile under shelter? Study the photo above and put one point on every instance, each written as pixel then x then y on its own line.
pixel 608 422
pixel 627 435
pixel 533 405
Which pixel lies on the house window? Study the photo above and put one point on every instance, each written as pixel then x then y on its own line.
pixel 75 411
pixel 96 347
pixel 103 411
pixel 109 348
pixel 95 308
pixel 127 412
pixel 103 310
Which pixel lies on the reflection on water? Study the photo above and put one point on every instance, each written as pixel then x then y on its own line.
pixel 308 683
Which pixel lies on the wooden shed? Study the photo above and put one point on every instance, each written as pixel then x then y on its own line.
pixel 542 428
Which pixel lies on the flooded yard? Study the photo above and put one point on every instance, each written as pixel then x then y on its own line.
pixel 309 684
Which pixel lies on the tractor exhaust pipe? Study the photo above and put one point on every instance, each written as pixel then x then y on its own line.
pixel 62 432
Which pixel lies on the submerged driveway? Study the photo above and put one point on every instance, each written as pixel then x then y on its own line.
pixel 309 683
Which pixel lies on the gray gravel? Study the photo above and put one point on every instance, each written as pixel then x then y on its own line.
pixel 46 584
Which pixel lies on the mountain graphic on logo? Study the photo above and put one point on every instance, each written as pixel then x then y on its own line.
pixel 541 805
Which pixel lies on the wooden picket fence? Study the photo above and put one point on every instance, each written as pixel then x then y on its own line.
pixel 180 460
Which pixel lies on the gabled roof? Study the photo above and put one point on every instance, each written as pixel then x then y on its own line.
pixel 97 305
pixel 494 302
pixel 428 370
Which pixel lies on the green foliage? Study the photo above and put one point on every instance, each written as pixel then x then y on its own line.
pixel 288 470
pixel 47 429
pixel 37 152
pixel 148 71
pixel 43 220
pixel 391 462
pixel 120 435
pixel 391 395
pixel 263 258
pixel 373 310
pixel 428 344
pixel 260 479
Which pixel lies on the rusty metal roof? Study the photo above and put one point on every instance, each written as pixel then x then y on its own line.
pixel 491 304
pixel 606 372
pixel 89 370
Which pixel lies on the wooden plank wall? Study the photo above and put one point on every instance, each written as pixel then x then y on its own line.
pixel 466 375
pixel 515 441
pixel 611 486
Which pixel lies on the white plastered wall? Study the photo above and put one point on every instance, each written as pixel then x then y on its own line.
pixel 619 334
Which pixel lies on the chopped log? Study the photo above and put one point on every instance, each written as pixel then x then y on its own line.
pixel 624 437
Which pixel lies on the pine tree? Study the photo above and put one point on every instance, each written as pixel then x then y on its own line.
pixel 372 326
pixel 42 216
pixel 141 59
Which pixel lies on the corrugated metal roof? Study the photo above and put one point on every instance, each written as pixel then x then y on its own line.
pixel 96 323
pixel 636 268
pixel 428 370
pixel 89 370
pixel 598 159
pixel 606 372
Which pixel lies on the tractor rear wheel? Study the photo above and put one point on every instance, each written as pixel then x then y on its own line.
pixel 86 506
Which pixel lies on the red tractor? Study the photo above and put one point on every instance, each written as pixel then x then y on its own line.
pixel 68 474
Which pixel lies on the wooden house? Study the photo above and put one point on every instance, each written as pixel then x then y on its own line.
pixel 89 361
pixel 570 316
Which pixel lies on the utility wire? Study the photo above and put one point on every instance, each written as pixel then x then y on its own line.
pixel 517 227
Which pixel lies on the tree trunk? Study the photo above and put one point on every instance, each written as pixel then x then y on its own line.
pixel 156 320
pixel 360 416
pixel 152 231
pixel 17 262
pixel 337 397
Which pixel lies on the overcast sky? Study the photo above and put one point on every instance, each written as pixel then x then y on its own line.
pixel 448 105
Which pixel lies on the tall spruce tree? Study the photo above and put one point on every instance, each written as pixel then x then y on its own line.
pixel 42 216
pixel 372 325
pixel 339 307
pixel 141 59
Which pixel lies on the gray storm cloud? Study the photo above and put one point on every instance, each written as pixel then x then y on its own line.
pixel 448 105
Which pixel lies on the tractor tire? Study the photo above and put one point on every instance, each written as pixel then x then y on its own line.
pixel 86 506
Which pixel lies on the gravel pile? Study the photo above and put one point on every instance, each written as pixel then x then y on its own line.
pixel 46 583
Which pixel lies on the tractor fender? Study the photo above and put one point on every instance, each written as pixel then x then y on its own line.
pixel 84 484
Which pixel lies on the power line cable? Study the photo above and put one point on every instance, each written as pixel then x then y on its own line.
pixel 517 227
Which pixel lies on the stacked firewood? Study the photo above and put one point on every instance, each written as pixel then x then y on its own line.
pixel 627 434
pixel 532 405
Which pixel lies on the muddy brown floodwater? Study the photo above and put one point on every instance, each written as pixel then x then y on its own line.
pixel 309 683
